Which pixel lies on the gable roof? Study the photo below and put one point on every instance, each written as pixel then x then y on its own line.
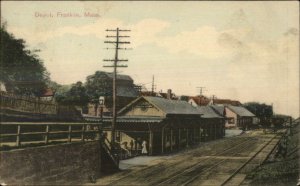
pixel 208 112
pixel 218 109
pixel 119 76
pixel 172 106
pixel 126 91
pixel 200 100
pixel 167 106
pixel 241 111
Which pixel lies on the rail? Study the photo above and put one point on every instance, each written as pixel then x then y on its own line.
pixel 188 170
pixel 248 161
pixel 16 133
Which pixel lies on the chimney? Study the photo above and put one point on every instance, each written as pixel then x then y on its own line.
pixel 169 94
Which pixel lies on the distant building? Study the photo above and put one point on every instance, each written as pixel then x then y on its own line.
pixel 199 101
pixel 203 101
pixel 184 98
pixel 2 86
pixel 126 92
pixel 236 116
pixel 168 95
pixel 47 95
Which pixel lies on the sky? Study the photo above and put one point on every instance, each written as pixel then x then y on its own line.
pixel 242 50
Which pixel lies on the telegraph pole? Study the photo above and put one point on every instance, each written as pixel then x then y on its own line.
pixel 115 65
pixel 153 85
pixel 213 99
pixel 201 90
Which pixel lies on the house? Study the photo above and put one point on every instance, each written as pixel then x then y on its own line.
pixel 47 95
pixel 236 116
pixel 167 95
pixel 198 101
pixel 203 101
pixel 2 86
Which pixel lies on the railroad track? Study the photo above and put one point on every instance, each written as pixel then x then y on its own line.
pixel 152 170
pixel 247 162
pixel 192 173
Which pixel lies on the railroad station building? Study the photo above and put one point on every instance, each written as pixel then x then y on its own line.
pixel 212 121
pixel 166 125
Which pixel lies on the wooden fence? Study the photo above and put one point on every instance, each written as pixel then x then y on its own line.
pixel 16 134
pixel 26 134
pixel 35 106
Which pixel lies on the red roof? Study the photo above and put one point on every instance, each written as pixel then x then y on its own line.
pixel 200 100
pixel 203 101
pixel 48 92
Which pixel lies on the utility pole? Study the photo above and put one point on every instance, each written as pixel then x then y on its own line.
pixel 115 65
pixel 213 99
pixel 153 85
pixel 200 89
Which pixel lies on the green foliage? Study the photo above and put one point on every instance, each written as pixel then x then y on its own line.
pixel 76 95
pixel 98 85
pixel 53 85
pixel 261 110
pixel 20 69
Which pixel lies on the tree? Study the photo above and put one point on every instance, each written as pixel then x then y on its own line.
pixel 21 70
pixel 261 110
pixel 76 95
pixel 98 85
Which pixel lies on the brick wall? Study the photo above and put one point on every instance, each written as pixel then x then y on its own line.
pixel 58 164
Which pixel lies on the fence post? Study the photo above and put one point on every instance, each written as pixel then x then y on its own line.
pixel 82 133
pixel 47 134
pixel 18 135
pixel 69 134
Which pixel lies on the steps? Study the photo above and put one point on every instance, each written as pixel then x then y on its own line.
pixel 109 156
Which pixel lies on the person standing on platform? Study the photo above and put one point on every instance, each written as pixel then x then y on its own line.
pixel 131 146
pixel 144 149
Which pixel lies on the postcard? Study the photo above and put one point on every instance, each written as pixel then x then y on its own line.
pixel 149 93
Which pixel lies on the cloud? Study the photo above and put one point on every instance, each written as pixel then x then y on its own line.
pixel 143 32
pixel 33 35
pixel 202 42
pixel 147 30
pixel 270 69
